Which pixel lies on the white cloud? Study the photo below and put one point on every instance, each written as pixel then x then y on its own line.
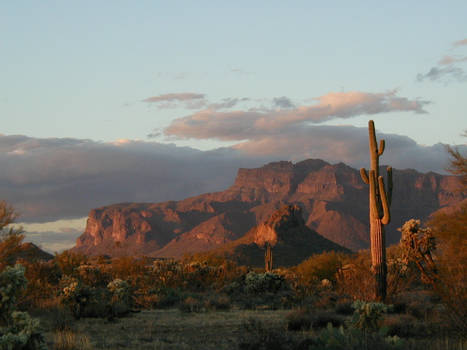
pixel 183 96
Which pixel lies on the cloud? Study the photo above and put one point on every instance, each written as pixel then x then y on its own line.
pixel 54 236
pixel 240 71
pixel 446 60
pixel 283 102
pixel 347 144
pixel 460 42
pixel 52 241
pixel 192 101
pixel 227 103
pixel 184 96
pixel 51 179
pixel 447 73
pixel 447 69
pixel 242 125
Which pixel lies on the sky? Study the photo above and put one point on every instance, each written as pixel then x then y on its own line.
pixel 116 101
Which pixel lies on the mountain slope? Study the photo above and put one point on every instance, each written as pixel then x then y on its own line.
pixel 333 199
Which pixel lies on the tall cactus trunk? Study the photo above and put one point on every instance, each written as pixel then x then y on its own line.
pixel 378 259
pixel 268 258
pixel 380 201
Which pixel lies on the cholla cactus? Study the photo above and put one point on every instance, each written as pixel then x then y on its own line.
pixel 417 245
pixel 17 329
pixel 75 295
pixel 120 289
pixel 12 281
pixel 380 201
pixel 367 315
pixel 256 283
pixel 70 290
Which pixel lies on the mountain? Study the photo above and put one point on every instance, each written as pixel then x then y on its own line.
pixel 285 231
pixel 333 200
pixel 30 252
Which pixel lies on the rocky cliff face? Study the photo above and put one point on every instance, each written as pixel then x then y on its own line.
pixel 333 201
pixel 285 230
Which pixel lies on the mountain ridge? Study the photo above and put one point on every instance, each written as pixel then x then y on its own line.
pixel 333 198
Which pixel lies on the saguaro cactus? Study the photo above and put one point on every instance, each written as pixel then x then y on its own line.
pixel 268 258
pixel 380 201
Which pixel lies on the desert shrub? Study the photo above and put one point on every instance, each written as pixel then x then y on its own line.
pixel 444 270
pixel 43 278
pixel 321 318
pixel 304 319
pixel 263 290
pixel 121 299
pixel 403 326
pixel 299 320
pixel 319 267
pixel 400 275
pixel 191 304
pixel 93 275
pixel 257 283
pixel 85 301
pixel 354 339
pixel 17 329
pixel 131 269
pixel 68 262
pixel 168 297
pixel 146 299
pixel 10 237
pixel 355 279
pixel 367 315
pixel 60 319
pixel 258 336
pixel 344 307
pixel 218 302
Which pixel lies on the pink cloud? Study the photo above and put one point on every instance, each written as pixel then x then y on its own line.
pixel 460 42
pixel 251 124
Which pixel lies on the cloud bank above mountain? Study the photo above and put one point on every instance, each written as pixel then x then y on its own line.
pixel 63 178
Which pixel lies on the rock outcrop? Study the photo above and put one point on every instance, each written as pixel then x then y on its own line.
pixel 333 200
pixel 285 231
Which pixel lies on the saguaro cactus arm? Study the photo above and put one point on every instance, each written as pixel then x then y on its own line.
pixel 384 202
pixel 364 175
pixel 389 190
pixel 373 199
pixel 381 147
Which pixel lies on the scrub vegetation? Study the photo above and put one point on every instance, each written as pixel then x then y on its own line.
pixel 208 302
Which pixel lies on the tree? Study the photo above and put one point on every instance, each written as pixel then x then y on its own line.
pixel 458 164
pixel 10 237
pixel 439 250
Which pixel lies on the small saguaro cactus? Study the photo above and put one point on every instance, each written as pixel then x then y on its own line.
pixel 380 201
pixel 268 257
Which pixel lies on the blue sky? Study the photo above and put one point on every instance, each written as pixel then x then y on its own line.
pixel 269 79
pixel 81 69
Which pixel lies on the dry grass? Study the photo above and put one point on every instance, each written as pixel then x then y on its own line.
pixel 69 340
pixel 164 329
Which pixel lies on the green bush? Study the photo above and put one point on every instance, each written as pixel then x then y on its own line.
pixel 17 329
pixel 258 283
